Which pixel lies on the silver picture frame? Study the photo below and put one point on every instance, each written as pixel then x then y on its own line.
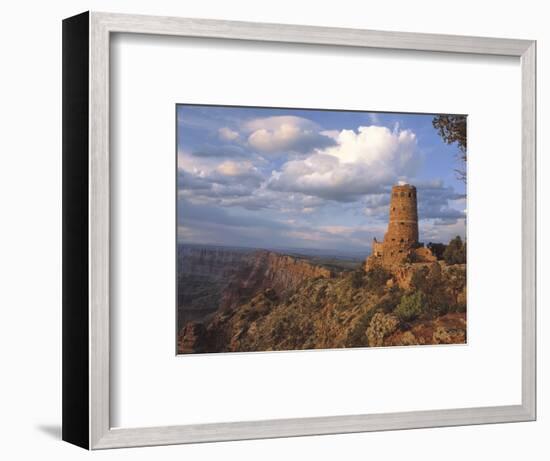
pixel 86 229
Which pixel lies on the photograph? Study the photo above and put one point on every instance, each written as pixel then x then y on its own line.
pixel 307 229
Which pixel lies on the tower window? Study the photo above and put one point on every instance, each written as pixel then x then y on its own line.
pixel 402 194
pixel 409 194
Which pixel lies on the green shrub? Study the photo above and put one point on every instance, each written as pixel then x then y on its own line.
pixel 460 307
pixel 389 301
pixel 441 308
pixel 357 337
pixel 455 253
pixel 411 306
pixel 421 279
pixel 376 278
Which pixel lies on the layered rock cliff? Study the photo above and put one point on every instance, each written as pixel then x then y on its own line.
pixel 268 270
pixel 214 278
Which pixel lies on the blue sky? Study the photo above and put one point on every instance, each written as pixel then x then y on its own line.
pixel 288 178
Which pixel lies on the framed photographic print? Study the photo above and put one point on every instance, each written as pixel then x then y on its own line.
pixel 314 230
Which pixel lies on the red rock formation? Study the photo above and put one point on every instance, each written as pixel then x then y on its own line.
pixel 447 329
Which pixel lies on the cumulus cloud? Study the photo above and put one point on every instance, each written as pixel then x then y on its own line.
pixel 376 146
pixel 333 134
pixel 361 162
pixel 229 179
pixel 227 134
pixel 238 170
pixel 323 176
pixel 286 134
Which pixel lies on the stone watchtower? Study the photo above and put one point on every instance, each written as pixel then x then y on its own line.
pixel 400 243
pixel 403 226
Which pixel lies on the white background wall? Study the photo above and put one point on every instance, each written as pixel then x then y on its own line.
pixel 30 232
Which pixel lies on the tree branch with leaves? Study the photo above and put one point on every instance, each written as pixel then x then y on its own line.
pixel 452 129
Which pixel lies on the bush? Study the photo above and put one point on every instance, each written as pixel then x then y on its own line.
pixel 460 308
pixel 380 327
pixel 410 307
pixel 422 279
pixel 358 278
pixel 376 278
pixel 455 253
pixel 389 301
pixel 441 308
pixel 357 337
pixel 437 249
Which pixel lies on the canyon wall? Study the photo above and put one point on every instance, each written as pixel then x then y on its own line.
pixel 203 274
pixel 213 278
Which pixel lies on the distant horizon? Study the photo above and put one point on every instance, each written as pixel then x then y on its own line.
pixel 266 247
pixel 360 253
pixel 310 179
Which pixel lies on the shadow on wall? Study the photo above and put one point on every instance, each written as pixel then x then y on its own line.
pixel 52 430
